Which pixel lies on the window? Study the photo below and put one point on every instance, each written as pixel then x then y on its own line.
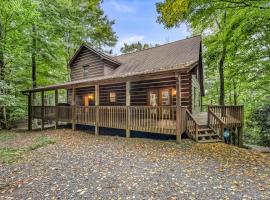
pixel 112 97
pixel 85 71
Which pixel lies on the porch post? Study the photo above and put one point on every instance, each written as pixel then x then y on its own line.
pixel 178 108
pixel 56 108
pixel 29 111
pixel 73 103
pixel 128 109
pixel 97 109
pixel 42 110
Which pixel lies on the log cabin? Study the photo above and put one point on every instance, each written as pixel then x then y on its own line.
pixel 157 90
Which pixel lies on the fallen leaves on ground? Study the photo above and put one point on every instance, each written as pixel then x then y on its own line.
pixel 81 165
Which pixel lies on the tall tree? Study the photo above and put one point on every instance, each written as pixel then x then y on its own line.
pixel 133 47
pixel 217 21
pixel 39 37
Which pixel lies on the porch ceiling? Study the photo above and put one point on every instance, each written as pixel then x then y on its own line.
pixel 118 78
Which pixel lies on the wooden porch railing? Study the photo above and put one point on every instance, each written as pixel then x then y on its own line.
pixel 216 123
pixel 192 126
pixel 232 116
pixel 158 119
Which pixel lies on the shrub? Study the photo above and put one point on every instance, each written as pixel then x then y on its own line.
pixel 260 123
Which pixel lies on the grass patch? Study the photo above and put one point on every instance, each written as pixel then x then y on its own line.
pixel 41 141
pixel 9 155
pixel 4 136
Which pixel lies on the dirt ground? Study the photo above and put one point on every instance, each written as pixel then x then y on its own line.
pixel 81 166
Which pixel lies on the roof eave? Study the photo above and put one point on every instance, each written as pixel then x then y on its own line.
pixel 123 77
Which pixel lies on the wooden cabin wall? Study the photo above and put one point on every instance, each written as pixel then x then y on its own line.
pixel 139 89
pixel 118 88
pixel 80 93
pixel 95 63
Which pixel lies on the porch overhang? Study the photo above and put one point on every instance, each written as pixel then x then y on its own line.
pixel 147 74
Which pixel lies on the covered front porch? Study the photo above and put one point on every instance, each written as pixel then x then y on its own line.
pixel 150 103
pixel 156 103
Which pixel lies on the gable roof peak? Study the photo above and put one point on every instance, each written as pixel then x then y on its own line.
pixel 97 52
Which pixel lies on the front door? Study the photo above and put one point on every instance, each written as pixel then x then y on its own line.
pixel 153 98
pixel 165 97
pixel 165 100
pixel 160 97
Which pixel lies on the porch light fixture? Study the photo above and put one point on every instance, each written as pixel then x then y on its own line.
pixel 91 96
pixel 174 92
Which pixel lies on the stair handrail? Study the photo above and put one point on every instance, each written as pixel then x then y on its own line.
pixel 220 126
pixel 189 116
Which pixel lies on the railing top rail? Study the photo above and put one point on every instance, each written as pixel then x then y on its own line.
pixel 220 120
pixel 190 115
pixel 225 106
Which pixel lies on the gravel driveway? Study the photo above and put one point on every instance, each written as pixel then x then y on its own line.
pixel 82 166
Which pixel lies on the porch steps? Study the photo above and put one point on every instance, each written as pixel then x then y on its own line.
pixel 205 133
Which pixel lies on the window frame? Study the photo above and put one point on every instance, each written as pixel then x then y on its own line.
pixel 86 74
pixel 110 97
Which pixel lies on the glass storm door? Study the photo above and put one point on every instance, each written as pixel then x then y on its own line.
pixel 153 100
pixel 165 100
pixel 165 97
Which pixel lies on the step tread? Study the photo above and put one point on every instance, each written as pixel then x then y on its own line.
pixel 207 135
pixel 210 141
pixel 205 129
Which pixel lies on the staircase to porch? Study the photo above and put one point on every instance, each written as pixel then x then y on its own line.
pixel 205 133
pixel 206 127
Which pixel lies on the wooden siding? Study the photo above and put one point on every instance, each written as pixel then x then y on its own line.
pixel 80 92
pixel 196 94
pixel 87 58
pixel 108 69
pixel 139 89
pixel 119 89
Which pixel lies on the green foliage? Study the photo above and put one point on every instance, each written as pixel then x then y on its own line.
pixel 241 28
pixel 58 28
pixel 130 48
pixel 41 141
pixel 260 123
pixel 4 136
pixel 9 154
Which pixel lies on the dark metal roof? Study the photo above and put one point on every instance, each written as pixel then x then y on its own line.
pixel 182 51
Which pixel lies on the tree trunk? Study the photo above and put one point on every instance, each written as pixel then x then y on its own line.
pixel 221 76
pixel 34 67
pixel 3 118
pixel 2 65
pixel 34 47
